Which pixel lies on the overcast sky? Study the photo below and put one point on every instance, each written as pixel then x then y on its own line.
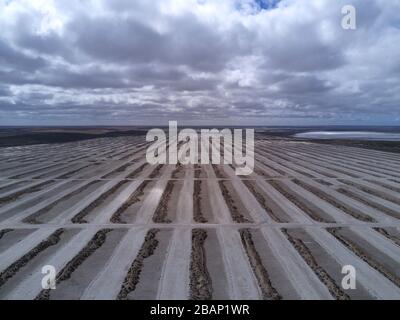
pixel 264 62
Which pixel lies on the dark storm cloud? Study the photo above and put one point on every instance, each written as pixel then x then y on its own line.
pixel 4 91
pixel 13 59
pixel 187 42
pixel 303 84
pixel 228 61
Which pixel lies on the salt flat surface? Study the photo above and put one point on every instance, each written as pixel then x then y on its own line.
pixel 229 237
pixel 349 135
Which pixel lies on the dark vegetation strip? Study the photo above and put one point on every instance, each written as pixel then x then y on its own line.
pixel 134 198
pixel 386 234
pixel 32 219
pixel 95 243
pixel 16 195
pixel 219 174
pixel 133 276
pixel 18 176
pixel 134 173
pixel 161 212
pixel 300 164
pixel 281 172
pixel 333 201
pixel 156 171
pixel 364 255
pixel 79 218
pixel 290 168
pixel 200 280
pixel 140 147
pixel 307 256
pixel 368 202
pixel 11 185
pixel 9 272
pixel 197 210
pixel 372 191
pixel 237 216
pixel 329 167
pixel 178 169
pixel 261 273
pixel 118 170
pixel 385 185
pixel 4 231
pixel 298 202
pixel 263 202
pixel 197 171
pixel 70 173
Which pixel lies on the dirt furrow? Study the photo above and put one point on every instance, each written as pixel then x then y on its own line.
pixel 79 218
pixel 197 171
pixel 219 174
pixel 71 173
pixel 133 276
pixel 333 201
pixel 268 291
pixel 177 171
pixel 306 254
pixel 134 173
pixel 368 202
pixel 117 170
pixel 32 219
pixel 134 198
pixel 10 271
pixel 363 255
pixel 263 202
pixel 298 202
pixel 200 280
pixel 156 172
pixel 386 234
pixel 4 231
pixel 161 212
pixel 96 242
pixel 19 176
pixel 237 216
pixel 371 191
pixel 18 194
pixel 197 212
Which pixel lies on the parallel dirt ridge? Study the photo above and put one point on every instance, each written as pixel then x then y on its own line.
pixel 115 227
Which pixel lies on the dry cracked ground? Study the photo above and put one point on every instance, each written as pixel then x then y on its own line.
pixel 115 227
